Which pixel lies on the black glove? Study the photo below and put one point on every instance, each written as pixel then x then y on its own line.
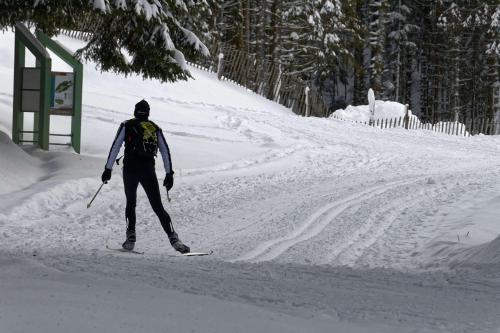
pixel 106 175
pixel 169 181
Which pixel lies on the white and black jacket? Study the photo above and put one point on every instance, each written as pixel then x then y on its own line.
pixel 131 159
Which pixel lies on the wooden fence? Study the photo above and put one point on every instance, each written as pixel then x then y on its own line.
pixel 266 79
pixel 262 77
pixel 81 35
pixel 462 127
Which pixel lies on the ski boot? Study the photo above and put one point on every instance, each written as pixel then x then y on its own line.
pixel 177 244
pixel 130 241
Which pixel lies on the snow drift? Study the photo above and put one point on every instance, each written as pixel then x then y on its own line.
pixel 18 169
pixel 361 113
pixel 488 253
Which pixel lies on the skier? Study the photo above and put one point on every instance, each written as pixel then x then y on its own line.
pixel 142 140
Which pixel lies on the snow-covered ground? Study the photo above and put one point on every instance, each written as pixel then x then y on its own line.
pixel 316 225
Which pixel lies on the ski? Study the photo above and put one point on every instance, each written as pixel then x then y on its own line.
pixel 189 254
pixel 192 254
pixel 123 250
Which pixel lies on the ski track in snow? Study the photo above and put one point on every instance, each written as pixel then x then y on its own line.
pixel 314 225
pixel 295 152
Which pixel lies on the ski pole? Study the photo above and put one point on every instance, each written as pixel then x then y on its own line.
pixel 95 195
pixel 168 197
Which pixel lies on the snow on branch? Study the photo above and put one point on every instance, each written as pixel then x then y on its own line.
pixel 192 39
pixel 150 31
pixel 100 5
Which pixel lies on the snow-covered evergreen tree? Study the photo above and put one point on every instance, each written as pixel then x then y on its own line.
pixel 377 41
pixel 470 31
pixel 399 46
pixel 229 23
pixel 355 69
pixel 312 41
pixel 151 32
pixel 451 22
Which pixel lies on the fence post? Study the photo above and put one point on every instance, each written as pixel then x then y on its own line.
pixel 306 93
pixel 407 116
pixel 220 66
pixel 277 85
pixel 371 102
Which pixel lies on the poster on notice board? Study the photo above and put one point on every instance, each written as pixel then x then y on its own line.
pixel 62 93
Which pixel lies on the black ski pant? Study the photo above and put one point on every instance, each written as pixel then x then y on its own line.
pixel 146 176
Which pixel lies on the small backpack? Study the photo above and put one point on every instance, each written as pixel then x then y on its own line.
pixel 141 138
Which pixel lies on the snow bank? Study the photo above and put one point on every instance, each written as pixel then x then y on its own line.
pixel 483 257
pixel 488 253
pixel 361 113
pixel 19 169
pixel 393 110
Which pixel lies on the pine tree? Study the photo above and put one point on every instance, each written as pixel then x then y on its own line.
pixel 399 45
pixel 151 32
pixel 357 30
pixel 229 23
pixel 311 41
pixel 377 41
pixel 450 21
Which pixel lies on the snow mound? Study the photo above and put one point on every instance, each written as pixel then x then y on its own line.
pixel 456 255
pixel 361 113
pixel 488 253
pixel 19 170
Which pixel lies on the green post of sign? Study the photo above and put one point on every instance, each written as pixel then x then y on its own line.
pixel 44 121
pixel 19 61
pixel 35 97
pixel 76 122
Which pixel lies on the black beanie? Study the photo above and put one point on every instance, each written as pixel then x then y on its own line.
pixel 141 110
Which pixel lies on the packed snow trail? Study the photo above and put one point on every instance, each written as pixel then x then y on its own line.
pixel 204 209
pixel 315 224
pixel 305 216
pixel 331 214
